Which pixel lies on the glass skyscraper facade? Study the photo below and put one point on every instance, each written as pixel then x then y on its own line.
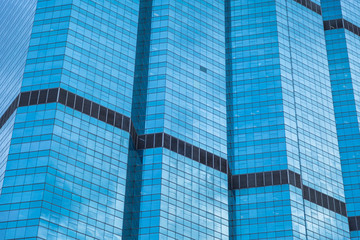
pixel 191 119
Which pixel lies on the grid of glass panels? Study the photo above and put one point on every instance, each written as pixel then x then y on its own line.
pixel 85 48
pixel 181 198
pixel 16 18
pixel 273 212
pixel 305 63
pixel 70 168
pixel 280 106
pixel 68 173
pixel 344 62
pixel 62 180
pixel 184 83
pixel 186 74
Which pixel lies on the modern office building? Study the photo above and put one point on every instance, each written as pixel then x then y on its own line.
pixel 179 119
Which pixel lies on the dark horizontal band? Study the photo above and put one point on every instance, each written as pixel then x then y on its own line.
pixel 273 178
pixel 310 5
pixel 263 179
pixel 354 223
pixel 117 120
pixel 341 23
pixel 183 148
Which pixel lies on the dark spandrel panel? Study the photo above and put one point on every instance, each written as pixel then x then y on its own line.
pixel 357 31
pixel 343 209
pixel 24 99
pixel 318 9
pixel 209 159
pixel 337 206
pixel 318 198
pixel 276 177
pixel 43 96
pixel 158 140
pixel 95 110
pixel 110 117
pixel 126 123
pixel 235 182
pixel 292 178
pixel 326 25
pixel 339 23
pixel 34 97
pixel 259 179
pixel 331 203
pixel 312 195
pixel 224 166
pixel 79 103
pixel 202 156
pixel 351 27
pixel 332 24
pixel 325 201
pixel 358 222
pixel 181 149
pixel 103 113
pixel 306 193
pixel 174 143
pixel 87 107
pixel 243 181
pixel 70 100
pixel 6 114
pixel 352 224
pixel 268 178
pixel 118 120
pixel 166 141
pixel 216 162
pixel 62 96
pixel 4 120
pixel 15 104
pixel 297 180
pixel 196 153
pixel 52 95
pixel 251 180
pixel 141 142
pixel 149 141
pixel 310 5
pixel 284 177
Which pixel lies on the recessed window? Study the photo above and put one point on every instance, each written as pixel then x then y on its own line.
pixel 203 69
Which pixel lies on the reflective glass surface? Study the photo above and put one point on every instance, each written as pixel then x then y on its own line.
pixel 179 119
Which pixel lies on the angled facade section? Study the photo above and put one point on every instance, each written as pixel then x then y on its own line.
pixel 191 119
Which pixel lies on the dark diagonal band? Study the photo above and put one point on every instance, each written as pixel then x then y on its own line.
pixel 148 141
pixel 310 5
pixel 117 120
pixel 273 178
pixel 341 23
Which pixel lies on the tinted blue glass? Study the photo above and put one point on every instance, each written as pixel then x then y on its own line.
pixel 16 19
pixel 280 116
pixel 191 119
pixel 343 64
pixel 75 165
